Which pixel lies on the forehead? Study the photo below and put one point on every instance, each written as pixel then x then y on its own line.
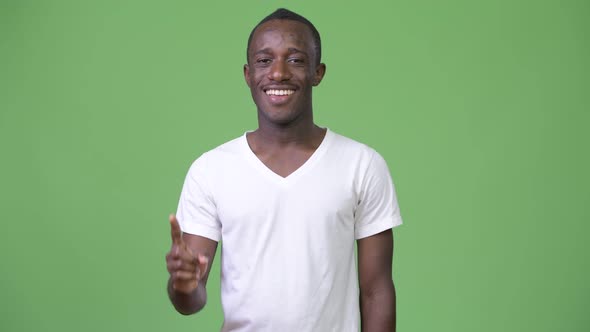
pixel 277 33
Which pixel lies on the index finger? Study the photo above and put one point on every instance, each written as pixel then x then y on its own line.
pixel 175 230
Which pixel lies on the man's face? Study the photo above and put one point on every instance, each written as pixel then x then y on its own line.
pixel 282 70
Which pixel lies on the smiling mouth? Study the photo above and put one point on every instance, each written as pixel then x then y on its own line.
pixel 276 92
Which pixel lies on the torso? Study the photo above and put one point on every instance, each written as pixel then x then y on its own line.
pixel 287 241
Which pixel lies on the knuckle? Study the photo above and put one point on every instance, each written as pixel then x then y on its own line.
pixel 173 265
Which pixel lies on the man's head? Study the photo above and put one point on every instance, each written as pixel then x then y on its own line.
pixel 283 66
pixel 285 14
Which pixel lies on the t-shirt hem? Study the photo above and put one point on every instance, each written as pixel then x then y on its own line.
pixel 377 227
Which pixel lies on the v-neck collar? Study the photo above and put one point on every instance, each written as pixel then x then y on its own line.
pixel 271 175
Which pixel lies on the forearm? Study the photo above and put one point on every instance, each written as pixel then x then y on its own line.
pixel 378 309
pixel 188 304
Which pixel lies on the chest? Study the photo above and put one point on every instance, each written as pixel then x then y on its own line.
pixel 285 162
pixel 311 206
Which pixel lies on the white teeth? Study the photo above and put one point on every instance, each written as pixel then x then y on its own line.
pixel 273 92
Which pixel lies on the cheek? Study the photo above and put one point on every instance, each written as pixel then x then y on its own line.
pixel 257 77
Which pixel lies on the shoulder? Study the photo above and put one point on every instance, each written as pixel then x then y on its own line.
pixel 363 161
pixel 219 156
pixel 235 146
pixel 352 149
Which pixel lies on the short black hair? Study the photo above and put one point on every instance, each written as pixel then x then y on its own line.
pixel 285 14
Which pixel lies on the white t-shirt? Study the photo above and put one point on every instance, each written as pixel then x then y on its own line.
pixel 287 254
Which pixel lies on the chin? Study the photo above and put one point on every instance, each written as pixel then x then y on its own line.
pixel 279 116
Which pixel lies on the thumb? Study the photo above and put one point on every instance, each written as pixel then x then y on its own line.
pixel 175 230
pixel 203 265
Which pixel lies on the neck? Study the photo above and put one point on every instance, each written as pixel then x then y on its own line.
pixel 300 131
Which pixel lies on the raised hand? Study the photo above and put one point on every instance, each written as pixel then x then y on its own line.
pixel 186 267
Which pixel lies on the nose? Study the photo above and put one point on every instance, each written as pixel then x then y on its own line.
pixel 279 71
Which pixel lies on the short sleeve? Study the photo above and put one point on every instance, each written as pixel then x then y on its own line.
pixel 377 208
pixel 197 213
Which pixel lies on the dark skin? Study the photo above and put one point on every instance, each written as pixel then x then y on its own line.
pixel 377 292
pixel 281 71
pixel 281 57
pixel 189 263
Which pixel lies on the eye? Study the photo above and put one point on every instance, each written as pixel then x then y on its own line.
pixel 263 61
pixel 296 60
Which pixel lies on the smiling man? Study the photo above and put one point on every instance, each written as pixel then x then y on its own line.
pixel 288 201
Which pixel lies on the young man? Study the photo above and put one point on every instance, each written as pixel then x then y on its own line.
pixel 287 201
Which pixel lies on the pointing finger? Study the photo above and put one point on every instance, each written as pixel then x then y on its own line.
pixel 175 230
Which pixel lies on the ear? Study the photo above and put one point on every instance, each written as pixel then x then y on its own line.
pixel 247 74
pixel 320 71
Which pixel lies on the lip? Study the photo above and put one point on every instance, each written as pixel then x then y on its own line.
pixel 278 100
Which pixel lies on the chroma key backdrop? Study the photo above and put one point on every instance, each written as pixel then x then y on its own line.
pixel 480 108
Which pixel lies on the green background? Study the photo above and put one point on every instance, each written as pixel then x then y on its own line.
pixel 481 109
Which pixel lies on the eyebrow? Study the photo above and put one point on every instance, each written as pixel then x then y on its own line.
pixel 291 50
pixel 295 50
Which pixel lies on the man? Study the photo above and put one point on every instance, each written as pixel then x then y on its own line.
pixel 287 201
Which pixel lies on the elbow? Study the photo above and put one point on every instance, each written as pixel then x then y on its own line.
pixel 185 312
pixel 188 309
pixel 381 289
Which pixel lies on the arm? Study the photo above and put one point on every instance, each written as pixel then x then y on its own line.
pixel 189 263
pixel 377 292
